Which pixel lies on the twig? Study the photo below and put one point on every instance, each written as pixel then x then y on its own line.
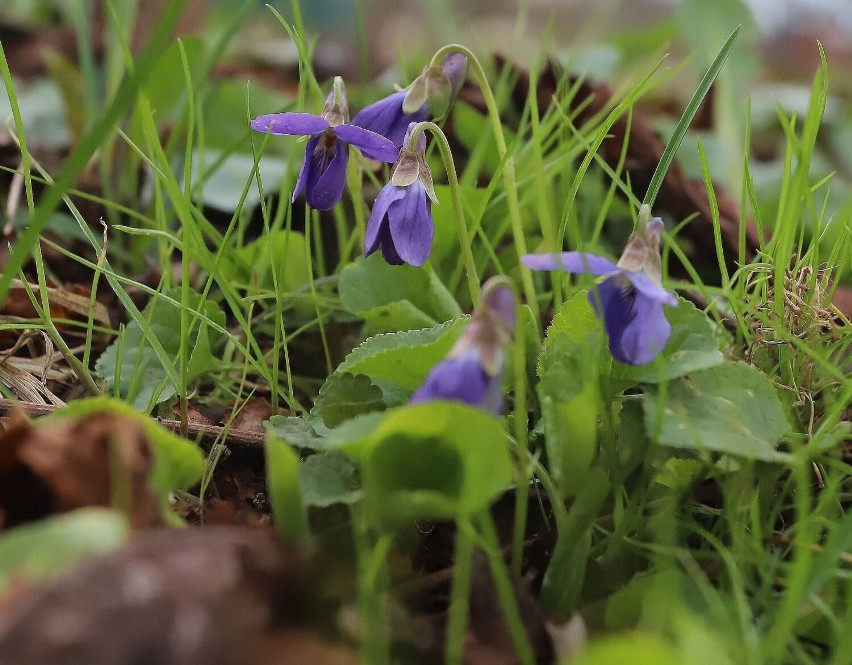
pixel 206 433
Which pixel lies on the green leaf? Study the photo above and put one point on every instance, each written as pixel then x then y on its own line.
pixel 704 25
pixel 438 460
pixel 167 84
pixel 625 607
pixel 403 358
pixel 285 494
pixel 570 434
pixel 201 359
pixel 445 245
pixel 298 432
pixel 575 318
pixel 352 430
pixel 251 265
pixel 636 649
pixel 43 113
pixel 472 128
pixel 569 392
pixel 572 353
pixel 179 463
pixel 693 345
pixel 313 434
pixel 393 298
pixel 329 478
pixel 563 579
pixel 344 396
pixel 143 379
pixel 678 473
pixel 225 118
pixel 223 187
pixel 51 547
pixel 731 408
pixel 633 441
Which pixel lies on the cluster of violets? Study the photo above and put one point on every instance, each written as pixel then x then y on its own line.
pixel 628 295
pixel 401 221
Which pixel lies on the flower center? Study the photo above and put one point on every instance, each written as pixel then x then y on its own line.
pixel 328 139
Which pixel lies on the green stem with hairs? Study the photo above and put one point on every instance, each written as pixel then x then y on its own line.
pixel 460 595
pixel 455 190
pixel 508 162
pixel 522 482
pixel 487 540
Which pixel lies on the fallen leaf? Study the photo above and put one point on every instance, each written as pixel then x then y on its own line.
pixel 71 302
pixel 251 416
pixel 100 460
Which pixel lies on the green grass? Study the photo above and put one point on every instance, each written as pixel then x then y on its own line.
pixel 684 525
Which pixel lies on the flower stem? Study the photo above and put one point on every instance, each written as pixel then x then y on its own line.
pixel 455 190
pixel 508 162
pixel 487 540
pixel 374 642
pixel 522 484
pixel 460 596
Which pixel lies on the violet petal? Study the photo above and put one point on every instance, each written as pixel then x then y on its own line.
pixel 649 288
pixel 460 379
pixel 389 253
pixel 387 118
pixel 377 225
pixel 411 225
pixel 492 401
pixel 307 165
pixel 323 192
pixel 576 262
pixel 635 324
pixel 613 301
pixel 371 144
pixel 646 333
pixel 303 124
pixel 455 69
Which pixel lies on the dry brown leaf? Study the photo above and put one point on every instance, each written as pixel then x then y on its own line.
pixel 16 373
pixel 102 459
pixel 70 302
pixel 251 416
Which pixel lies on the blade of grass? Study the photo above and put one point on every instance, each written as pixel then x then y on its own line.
pixel 686 119
pixel 94 139
pixel 714 214
pixel 792 203
pixel 568 223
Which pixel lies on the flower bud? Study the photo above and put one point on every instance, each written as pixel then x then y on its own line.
pixel 436 86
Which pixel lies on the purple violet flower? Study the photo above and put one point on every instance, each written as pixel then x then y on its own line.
pixel 473 371
pixel 323 174
pixel 429 95
pixel 630 299
pixel 401 220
